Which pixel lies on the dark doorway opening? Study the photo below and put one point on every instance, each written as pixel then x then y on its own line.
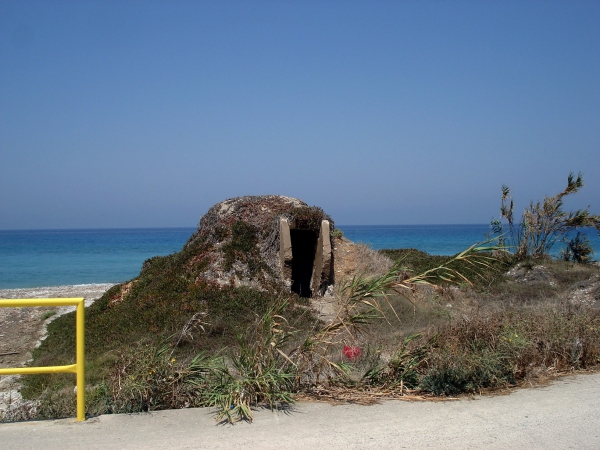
pixel 304 246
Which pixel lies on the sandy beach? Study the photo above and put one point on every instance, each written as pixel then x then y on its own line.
pixel 88 291
pixel 22 329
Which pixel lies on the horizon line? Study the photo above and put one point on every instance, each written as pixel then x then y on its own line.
pixel 196 227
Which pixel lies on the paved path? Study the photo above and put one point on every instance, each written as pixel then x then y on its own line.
pixel 563 415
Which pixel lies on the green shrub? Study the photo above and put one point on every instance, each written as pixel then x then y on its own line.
pixel 242 245
pixel 337 233
pixel 149 377
pixel 468 373
pixel 578 250
pixel 507 346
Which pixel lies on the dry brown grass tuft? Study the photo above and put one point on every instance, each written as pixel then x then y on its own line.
pixel 370 262
pixel 529 327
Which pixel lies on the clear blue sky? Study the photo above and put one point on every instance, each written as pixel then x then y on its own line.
pixel 145 114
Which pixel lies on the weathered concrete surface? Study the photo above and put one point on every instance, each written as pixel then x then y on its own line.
pixel 285 250
pixel 322 265
pixel 246 241
pixel 563 415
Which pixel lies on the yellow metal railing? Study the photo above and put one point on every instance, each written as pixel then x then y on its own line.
pixel 79 366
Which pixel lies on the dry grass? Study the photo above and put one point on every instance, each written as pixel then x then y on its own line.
pixel 371 262
pixel 418 340
pixel 521 329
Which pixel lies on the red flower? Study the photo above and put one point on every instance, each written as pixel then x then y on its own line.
pixel 352 352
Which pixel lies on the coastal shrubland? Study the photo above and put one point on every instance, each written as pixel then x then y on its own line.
pixel 236 349
pixel 545 223
pixel 402 324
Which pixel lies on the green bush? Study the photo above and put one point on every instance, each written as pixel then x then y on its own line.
pixel 578 250
pixel 243 247
pixel 148 377
pixel 468 373
pixel 337 233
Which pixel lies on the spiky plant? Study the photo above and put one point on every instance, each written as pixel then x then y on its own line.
pixel 362 300
pixel 578 249
pixel 257 371
pixel 543 223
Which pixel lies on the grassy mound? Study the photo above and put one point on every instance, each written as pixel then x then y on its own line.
pixel 170 304
pixel 172 339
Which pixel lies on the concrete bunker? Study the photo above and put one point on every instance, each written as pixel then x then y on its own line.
pixel 265 242
pixel 306 258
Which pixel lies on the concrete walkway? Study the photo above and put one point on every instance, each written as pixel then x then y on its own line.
pixel 565 414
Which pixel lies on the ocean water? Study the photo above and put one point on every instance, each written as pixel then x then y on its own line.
pixel 35 258
pixel 433 239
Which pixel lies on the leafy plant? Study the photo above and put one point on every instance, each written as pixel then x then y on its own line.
pixel 337 233
pixel 148 378
pixel 578 249
pixel 402 367
pixel 362 300
pixel 242 246
pixel 468 373
pixel 259 373
pixel 542 224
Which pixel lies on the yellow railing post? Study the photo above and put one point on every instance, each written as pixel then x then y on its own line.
pixel 80 362
pixel 79 367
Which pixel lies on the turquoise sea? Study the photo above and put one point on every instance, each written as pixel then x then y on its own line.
pixel 35 258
